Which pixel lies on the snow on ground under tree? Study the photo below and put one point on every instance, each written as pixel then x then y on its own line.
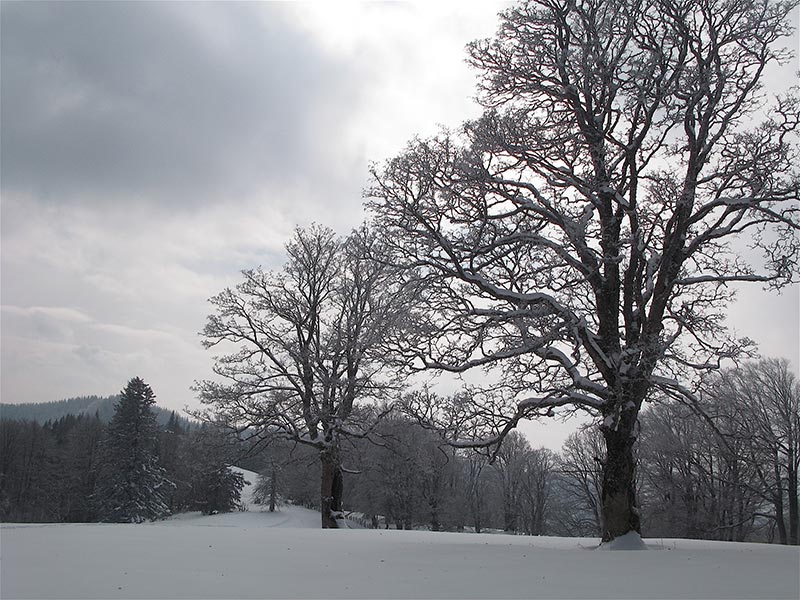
pixel 256 554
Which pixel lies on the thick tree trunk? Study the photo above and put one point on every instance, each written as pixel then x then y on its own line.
pixel 620 513
pixel 331 489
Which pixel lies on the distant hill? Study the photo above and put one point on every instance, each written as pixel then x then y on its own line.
pixel 86 405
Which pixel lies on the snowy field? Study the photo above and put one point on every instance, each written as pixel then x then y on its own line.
pixel 284 555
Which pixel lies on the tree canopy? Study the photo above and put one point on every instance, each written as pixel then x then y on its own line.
pixel 131 484
pixel 584 233
pixel 306 346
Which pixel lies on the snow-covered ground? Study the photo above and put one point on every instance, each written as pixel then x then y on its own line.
pixel 284 555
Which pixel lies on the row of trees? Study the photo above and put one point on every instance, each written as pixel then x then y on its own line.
pixel 417 480
pixel 79 469
pixel 728 473
pixel 579 239
pixel 47 472
pixel 734 469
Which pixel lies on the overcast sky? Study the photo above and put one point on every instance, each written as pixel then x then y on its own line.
pixel 150 151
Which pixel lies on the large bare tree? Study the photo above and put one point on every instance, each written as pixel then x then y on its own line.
pixel 584 234
pixel 306 361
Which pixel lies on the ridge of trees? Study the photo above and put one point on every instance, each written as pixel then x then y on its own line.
pixel 66 470
pixel 41 412
pixel 728 473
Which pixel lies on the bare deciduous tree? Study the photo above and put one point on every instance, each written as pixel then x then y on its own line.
pixel 766 398
pixel 582 234
pixel 510 465
pixel 697 479
pixel 581 481
pixel 537 490
pixel 307 356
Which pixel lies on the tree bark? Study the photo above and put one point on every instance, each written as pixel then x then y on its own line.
pixel 331 489
pixel 620 513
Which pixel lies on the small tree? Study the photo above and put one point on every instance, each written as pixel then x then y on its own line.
pixel 268 486
pixel 276 460
pixel 216 488
pixel 308 349
pixel 582 234
pixel 131 485
pixel 212 486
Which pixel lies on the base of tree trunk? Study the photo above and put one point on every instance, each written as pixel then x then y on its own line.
pixel 331 489
pixel 630 541
pixel 620 515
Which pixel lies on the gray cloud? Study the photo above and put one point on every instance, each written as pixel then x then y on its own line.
pixel 181 103
pixel 150 150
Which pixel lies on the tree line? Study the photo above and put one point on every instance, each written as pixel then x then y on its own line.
pixel 728 473
pixel 103 406
pixel 79 469
pixel 313 373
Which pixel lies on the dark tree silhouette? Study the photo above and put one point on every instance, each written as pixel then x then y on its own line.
pixel 131 484
pixel 583 233
pixel 307 349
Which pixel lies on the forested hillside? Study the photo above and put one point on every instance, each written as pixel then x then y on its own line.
pixel 81 468
pixel 102 406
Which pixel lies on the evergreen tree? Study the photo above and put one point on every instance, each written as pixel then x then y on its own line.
pixel 218 489
pixel 215 487
pixel 132 486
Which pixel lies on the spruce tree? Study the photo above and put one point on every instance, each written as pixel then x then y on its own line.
pixel 215 487
pixel 132 486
